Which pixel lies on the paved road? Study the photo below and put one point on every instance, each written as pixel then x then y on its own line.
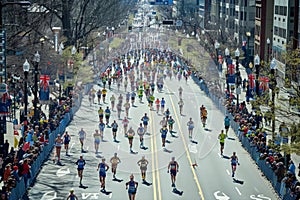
pixel 211 179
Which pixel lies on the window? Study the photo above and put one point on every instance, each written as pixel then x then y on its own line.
pixel 279 19
pixel 292 13
pixel 276 9
pixel 241 15
pixel 245 16
pixel 283 19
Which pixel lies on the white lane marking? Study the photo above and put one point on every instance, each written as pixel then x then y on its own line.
pixel 238 191
pixel 110 195
pixel 228 172
pixel 118 147
pixel 62 172
pixel 256 189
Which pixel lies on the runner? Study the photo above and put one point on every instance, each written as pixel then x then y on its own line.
pixel 180 104
pixel 227 124
pixel 72 196
pixel 128 95
pixel 163 122
pixel 190 125
pixel 112 102
pixel 82 136
pixel 97 137
pixel 67 139
pixel 120 99
pixel 151 100
pixel 204 116
pixel 171 121
pixel 145 120
pixel 127 106
pixel 115 160
pixel 130 135
pixel 234 161
pixel 180 92
pixel 222 137
pixel 143 163
pixel 133 95
pixel 58 143
pixel 119 109
pixel 102 168
pixel 141 132
pixel 104 92
pixel 157 103
pixel 167 114
pixel 162 105
pixel 107 113
pixel 80 167
pixel 173 169
pixel 100 114
pixel 164 132
pixel 101 128
pixel 125 123
pixel 99 96
pixel 132 187
pixel 114 126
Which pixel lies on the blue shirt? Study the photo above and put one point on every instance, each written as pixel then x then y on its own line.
pixel 227 121
pixel 80 164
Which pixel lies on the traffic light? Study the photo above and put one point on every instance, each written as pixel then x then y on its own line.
pixel 168 22
pixel 129 28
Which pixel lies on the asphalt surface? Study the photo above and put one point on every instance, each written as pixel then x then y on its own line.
pixel 210 179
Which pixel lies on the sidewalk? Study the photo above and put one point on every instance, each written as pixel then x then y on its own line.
pixel 279 101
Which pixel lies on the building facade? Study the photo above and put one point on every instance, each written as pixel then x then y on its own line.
pixel 285 28
pixel 263 28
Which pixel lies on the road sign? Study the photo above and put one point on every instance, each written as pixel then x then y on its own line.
pixel 161 2
pixel 178 22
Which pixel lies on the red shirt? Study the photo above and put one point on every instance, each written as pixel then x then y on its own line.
pixel 26 168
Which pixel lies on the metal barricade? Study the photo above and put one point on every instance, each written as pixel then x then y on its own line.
pixel 19 191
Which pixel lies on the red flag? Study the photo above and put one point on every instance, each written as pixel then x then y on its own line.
pixel 251 79
pixel 231 69
pixel 264 83
pixel 44 81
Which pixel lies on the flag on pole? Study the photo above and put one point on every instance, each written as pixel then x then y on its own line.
pixel 264 83
pixel 44 87
pixel 251 79
pixel 244 44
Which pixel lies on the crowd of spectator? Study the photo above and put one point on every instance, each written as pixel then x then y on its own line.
pixel 251 126
pixel 15 163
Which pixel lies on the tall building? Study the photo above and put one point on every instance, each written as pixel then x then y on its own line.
pixel 234 18
pixel 263 28
pixel 284 32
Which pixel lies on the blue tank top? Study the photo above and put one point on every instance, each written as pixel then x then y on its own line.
pixel 102 168
pixel 80 164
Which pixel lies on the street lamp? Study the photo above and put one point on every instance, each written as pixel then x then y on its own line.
pixel 26 67
pixel 217 45
pixel 238 76
pixel 36 60
pixel 227 56
pixel 273 66
pixel 268 49
pixel 257 66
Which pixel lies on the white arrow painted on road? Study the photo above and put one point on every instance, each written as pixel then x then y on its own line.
pixel 48 196
pixel 193 148
pixel 223 197
pixel 259 197
pixel 62 172
pixel 91 195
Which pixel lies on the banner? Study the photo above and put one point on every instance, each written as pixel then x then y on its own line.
pixel 44 88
